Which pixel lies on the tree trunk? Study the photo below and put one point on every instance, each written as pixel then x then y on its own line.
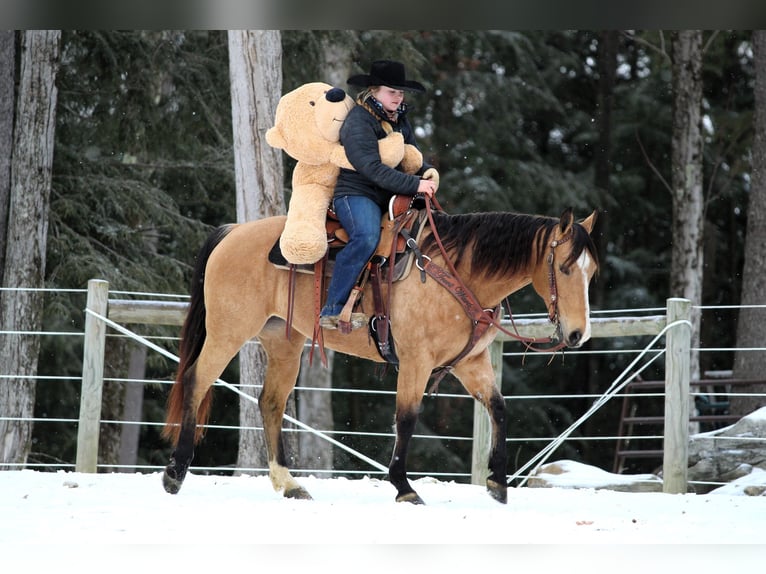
pixel 27 233
pixel 7 69
pixel 116 361
pixel 134 402
pixel 752 364
pixel 255 70
pixel 687 258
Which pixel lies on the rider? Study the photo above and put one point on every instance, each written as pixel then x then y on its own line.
pixel 361 195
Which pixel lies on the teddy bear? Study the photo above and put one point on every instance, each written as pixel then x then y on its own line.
pixel 307 127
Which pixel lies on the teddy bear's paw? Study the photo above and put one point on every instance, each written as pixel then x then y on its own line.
pixel 391 149
pixel 302 250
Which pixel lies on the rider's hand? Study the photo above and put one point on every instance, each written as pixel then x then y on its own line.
pixel 427 187
pixel 433 175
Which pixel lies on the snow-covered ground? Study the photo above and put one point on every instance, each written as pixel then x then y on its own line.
pixel 80 511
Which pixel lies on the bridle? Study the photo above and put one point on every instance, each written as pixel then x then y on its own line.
pixel 553 306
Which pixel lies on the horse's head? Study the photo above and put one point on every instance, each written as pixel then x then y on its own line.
pixel 566 265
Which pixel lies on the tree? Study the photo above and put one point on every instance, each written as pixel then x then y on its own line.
pixel 687 261
pixel 255 68
pixel 748 364
pixel 7 69
pixel 31 168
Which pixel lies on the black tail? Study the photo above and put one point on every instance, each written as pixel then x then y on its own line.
pixel 193 335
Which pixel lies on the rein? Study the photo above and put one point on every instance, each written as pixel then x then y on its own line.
pixel 484 318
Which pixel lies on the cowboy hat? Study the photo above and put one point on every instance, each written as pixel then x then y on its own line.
pixel 386 73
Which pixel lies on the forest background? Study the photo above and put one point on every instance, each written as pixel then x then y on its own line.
pixel 534 122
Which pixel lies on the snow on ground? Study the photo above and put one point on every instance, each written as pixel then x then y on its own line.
pixel 79 511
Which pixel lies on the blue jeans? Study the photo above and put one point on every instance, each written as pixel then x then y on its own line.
pixel 360 217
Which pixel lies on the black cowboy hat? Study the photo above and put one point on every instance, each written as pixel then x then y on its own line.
pixel 386 73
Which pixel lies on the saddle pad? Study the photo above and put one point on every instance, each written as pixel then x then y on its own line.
pixel 278 260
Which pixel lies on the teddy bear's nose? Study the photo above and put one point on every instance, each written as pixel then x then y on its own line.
pixel 335 95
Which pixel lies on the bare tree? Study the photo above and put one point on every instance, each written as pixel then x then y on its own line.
pixel 752 364
pixel 31 168
pixel 255 69
pixel 7 69
pixel 686 270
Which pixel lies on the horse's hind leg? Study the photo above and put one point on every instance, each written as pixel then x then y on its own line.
pixel 478 378
pixel 197 382
pixel 284 360
pixel 183 453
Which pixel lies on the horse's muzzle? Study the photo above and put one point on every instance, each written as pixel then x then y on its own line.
pixel 574 339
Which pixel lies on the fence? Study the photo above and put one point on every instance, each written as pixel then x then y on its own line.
pixel 103 313
pixel 675 326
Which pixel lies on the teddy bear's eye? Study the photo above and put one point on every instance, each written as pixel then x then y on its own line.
pixel 312 103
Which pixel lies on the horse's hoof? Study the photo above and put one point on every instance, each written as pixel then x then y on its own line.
pixel 172 485
pixel 498 491
pixel 172 479
pixel 299 493
pixel 411 497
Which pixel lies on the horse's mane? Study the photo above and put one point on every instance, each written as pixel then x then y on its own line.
pixel 501 243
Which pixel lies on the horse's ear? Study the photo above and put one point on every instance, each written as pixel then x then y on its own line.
pixel 590 221
pixel 567 220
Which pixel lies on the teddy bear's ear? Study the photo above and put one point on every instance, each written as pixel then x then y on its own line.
pixel 274 138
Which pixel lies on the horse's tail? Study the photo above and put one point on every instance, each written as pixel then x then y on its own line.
pixel 193 335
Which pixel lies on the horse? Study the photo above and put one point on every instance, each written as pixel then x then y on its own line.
pixel 237 294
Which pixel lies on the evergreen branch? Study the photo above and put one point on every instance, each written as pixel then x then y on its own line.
pixel 651 164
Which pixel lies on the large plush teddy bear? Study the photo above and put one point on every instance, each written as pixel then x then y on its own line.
pixel 307 127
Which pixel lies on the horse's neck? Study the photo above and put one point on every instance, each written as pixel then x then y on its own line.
pixel 489 290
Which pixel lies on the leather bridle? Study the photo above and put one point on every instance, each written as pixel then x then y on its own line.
pixel 553 306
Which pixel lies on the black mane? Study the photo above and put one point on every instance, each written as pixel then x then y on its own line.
pixel 503 243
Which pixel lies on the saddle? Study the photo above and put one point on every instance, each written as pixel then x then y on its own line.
pixel 404 211
pixel 401 230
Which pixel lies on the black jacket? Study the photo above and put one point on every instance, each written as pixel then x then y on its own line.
pixel 359 135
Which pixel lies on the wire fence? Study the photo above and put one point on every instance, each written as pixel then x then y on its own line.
pixel 622 349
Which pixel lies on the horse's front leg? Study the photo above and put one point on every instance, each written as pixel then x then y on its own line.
pixel 409 394
pixel 478 378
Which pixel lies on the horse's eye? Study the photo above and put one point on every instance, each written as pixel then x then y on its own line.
pixel 565 269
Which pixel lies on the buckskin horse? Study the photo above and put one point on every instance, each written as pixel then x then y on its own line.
pixel 238 294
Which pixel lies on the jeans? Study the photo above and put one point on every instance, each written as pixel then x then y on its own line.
pixel 360 217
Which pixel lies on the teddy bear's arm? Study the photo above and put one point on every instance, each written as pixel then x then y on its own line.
pixel 413 159
pixel 391 148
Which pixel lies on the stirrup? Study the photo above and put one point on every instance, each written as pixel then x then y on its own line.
pixel 356 321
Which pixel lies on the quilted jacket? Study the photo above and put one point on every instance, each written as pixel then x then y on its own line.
pixel 359 135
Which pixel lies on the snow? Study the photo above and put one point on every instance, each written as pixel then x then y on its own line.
pixel 78 511
pixel 577 474
pixel 760 414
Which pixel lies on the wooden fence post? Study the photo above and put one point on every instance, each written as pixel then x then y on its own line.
pixel 676 434
pixel 482 426
pixel 92 377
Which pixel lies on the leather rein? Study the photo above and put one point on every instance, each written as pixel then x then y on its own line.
pixel 482 318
